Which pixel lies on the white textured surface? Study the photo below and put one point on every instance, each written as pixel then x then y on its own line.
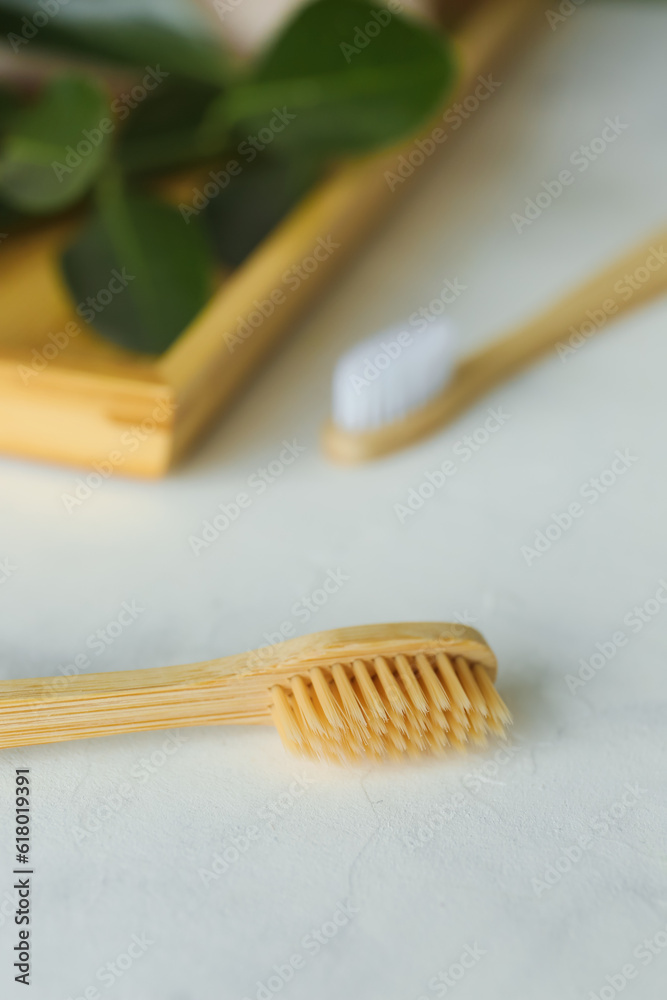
pixel 347 836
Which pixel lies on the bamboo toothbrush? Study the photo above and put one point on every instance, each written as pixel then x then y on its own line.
pixel 352 693
pixel 387 394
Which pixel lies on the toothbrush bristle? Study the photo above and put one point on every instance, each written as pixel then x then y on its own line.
pixel 388 707
pixel 387 377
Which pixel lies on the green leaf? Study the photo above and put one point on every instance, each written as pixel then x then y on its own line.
pixel 353 76
pixel 143 42
pixel 164 269
pixel 188 50
pixel 53 149
pixel 243 213
pixel 163 132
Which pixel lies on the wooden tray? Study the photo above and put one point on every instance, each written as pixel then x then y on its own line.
pixel 67 395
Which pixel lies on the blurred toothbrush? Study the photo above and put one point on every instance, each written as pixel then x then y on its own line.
pixel 398 387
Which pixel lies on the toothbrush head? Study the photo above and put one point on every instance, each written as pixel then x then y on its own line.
pixel 388 691
pixel 384 389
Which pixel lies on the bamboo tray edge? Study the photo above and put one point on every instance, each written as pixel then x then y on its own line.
pixel 99 406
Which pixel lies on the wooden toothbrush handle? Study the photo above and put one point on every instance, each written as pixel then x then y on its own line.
pixel 624 285
pixel 51 709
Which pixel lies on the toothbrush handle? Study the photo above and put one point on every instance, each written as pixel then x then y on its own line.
pixel 624 285
pixel 51 709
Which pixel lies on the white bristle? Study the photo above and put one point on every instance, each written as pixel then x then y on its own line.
pixel 386 377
